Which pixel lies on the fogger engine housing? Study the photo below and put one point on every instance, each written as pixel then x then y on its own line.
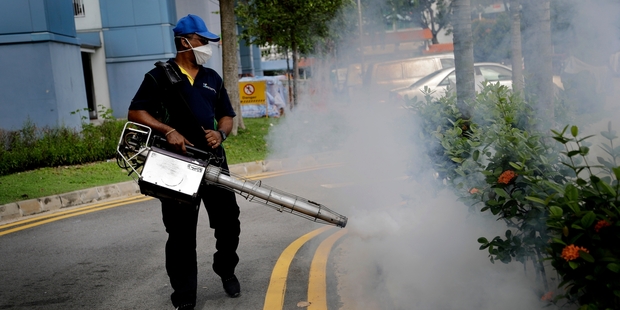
pixel 167 175
pixel 161 173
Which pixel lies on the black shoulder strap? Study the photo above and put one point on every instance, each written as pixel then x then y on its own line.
pixel 171 74
pixel 174 79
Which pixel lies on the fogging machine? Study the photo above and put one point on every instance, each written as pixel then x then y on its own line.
pixel 162 173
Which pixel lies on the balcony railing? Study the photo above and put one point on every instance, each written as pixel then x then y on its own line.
pixel 78 8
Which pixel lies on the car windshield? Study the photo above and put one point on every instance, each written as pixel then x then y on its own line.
pixel 425 79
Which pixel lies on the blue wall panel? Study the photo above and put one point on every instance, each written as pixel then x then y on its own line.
pixel 68 82
pixel 150 40
pixel 27 16
pixel 47 97
pixel 149 12
pixel 90 38
pixel 60 18
pixel 38 16
pixel 138 41
pixel 124 79
pixel 15 17
pixel 116 13
pixel 137 34
pixel 123 13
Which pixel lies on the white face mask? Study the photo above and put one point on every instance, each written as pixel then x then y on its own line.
pixel 202 53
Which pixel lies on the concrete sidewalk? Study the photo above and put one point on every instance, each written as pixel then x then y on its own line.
pixel 17 210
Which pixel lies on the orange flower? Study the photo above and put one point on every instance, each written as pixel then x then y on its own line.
pixel 506 177
pixel 547 296
pixel 600 224
pixel 571 252
pixel 473 191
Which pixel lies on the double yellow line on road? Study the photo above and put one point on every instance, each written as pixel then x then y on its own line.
pixel 317 280
pixel 56 216
pixel 274 299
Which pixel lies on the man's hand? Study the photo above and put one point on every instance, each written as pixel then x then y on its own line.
pixel 178 141
pixel 214 138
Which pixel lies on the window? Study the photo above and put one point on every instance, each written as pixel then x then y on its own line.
pixel 78 8
pixel 451 78
pixel 494 73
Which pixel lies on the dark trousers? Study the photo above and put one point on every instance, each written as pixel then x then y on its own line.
pixel 181 221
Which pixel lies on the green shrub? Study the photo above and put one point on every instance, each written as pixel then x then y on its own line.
pixel 500 160
pixel 584 222
pixel 33 147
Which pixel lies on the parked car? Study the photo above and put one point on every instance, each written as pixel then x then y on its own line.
pixel 380 77
pixel 440 81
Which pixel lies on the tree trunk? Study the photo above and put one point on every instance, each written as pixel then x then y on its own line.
pixel 229 59
pixel 517 58
pixel 288 79
pixel 537 55
pixel 295 73
pixel 432 26
pixel 463 56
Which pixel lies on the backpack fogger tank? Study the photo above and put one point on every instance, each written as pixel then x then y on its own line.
pixel 168 175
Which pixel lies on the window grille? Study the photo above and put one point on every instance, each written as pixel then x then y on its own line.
pixel 78 8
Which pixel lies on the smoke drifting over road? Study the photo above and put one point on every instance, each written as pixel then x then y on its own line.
pixel 411 244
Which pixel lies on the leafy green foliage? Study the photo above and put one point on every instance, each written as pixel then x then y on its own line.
pixel 286 23
pixel 584 215
pixel 33 147
pixel 248 145
pixel 557 206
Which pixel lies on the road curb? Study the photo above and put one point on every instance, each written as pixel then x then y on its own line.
pixel 17 210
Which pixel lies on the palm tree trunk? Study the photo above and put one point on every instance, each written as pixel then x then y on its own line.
pixel 229 59
pixel 537 55
pixel 463 56
pixel 517 57
pixel 295 72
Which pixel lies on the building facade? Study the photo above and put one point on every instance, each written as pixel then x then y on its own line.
pixel 63 61
pixel 41 75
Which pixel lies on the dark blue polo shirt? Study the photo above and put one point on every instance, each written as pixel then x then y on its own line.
pixel 207 99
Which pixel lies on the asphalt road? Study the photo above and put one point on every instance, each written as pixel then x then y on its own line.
pixel 114 258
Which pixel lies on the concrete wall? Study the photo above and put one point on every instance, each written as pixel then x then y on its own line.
pixel 41 73
pixel 26 17
pixel 91 39
pixel 41 82
pixel 136 34
pixel 40 44
pixel 124 79
pixel 92 16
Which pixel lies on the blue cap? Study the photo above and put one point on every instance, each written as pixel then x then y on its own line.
pixel 194 24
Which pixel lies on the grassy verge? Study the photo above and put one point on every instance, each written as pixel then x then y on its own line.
pixel 248 145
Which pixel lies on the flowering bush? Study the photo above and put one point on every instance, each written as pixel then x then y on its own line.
pixel 556 216
pixel 583 223
pixel 490 160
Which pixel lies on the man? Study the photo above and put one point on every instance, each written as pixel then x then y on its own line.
pixel 195 112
